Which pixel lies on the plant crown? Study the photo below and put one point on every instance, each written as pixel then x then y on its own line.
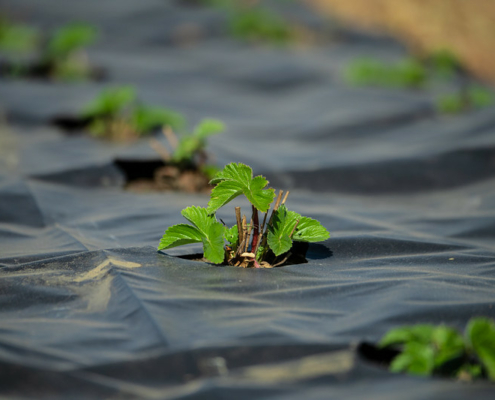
pixel 244 244
pixel 428 349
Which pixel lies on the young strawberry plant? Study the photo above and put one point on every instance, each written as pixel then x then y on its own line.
pixel 408 73
pixel 469 98
pixel 441 350
pixel 17 43
pixel 263 242
pixel 116 114
pixel 64 56
pixel 186 162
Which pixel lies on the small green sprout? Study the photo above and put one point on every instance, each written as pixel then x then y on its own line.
pixel 474 97
pixel 146 119
pixel 16 43
pixel 408 73
pixel 249 21
pixel 260 25
pixel 445 63
pixel 115 113
pixel 252 244
pixel 194 144
pixel 189 149
pixel 64 52
pixel 16 38
pixel 428 349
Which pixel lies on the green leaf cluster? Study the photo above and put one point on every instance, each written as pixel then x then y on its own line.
pixel 60 55
pixel 195 143
pixel 445 63
pixel 428 349
pixel 408 73
pixel 258 24
pixel 69 39
pixel 283 228
pixel 121 104
pixel 253 22
pixel 474 97
pixel 17 39
pixel 204 229
pixel 236 179
pixel 288 226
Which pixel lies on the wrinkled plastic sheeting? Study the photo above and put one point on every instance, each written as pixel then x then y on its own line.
pixel 91 310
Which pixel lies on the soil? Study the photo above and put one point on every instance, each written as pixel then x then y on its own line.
pixel 156 176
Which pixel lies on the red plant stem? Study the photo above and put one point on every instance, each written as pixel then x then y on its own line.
pixel 256 229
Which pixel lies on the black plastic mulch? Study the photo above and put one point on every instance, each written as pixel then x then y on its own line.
pixel 89 309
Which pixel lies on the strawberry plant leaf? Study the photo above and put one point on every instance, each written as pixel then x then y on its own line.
pixel 417 359
pixel 481 335
pixel 179 235
pixel 448 344
pixel 232 235
pixel 144 118
pixel 110 102
pixel 208 127
pixel 310 230
pixel 418 333
pixel 283 222
pixel 212 232
pixel 236 179
pixel 213 243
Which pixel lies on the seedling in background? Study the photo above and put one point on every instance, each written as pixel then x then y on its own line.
pixel 116 114
pixel 61 57
pixel 440 350
pixel 249 21
pixel 409 73
pixel 64 53
pixel 261 25
pixel 261 243
pixel 445 63
pixel 17 43
pixel 189 150
pixel 474 97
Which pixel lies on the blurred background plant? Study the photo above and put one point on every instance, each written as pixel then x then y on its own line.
pixel 464 28
pixel 62 56
pixel 117 114
pixel 253 21
pixel 17 43
pixel 408 73
pixel 188 150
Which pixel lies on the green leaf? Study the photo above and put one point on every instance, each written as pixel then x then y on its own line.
pixel 236 179
pixel 213 243
pixel 421 333
pixel 212 232
pixel 481 335
pixel 283 222
pixel 310 230
pixel 448 343
pixel 179 235
pixel 480 97
pixel 232 235
pixel 187 147
pixel 144 119
pixel 208 127
pixel 71 38
pixel 421 358
pixel 110 102
pixel 17 39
